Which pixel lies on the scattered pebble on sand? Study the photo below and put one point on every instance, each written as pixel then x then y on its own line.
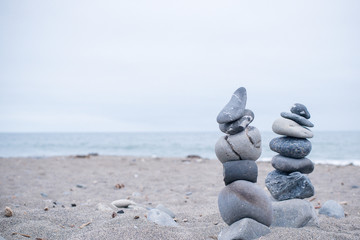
pixel 8 212
pixel 120 212
pixel 113 215
pixel 136 217
pixel 119 186
pixel 123 203
pixel 46 209
pixel 73 205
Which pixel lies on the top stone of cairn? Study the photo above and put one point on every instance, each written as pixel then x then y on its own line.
pixel 301 110
pixel 235 108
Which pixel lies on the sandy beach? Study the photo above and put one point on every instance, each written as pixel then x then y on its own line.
pixel 70 198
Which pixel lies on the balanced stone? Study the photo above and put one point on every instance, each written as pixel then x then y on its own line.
pixel 332 209
pixel 295 213
pixel 284 186
pixel 287 127
pixel 299 119
pixel 240 170
pixel 300 110
pixel 235 107
pixel 291 147
pixel 244 145
pixel 285 164
pixel 238 125
pixel 245 228
pixel 243 199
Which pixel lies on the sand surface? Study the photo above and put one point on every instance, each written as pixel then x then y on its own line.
pixel 188 187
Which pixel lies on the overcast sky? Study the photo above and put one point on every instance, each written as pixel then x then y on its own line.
pixel 173 65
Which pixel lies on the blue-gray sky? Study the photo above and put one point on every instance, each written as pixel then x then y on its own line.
pixel 172 65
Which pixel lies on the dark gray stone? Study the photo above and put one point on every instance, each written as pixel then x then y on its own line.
pixel 294 213
pixel 296 118
pixel 332 209
pixel 244 145
pixel 300 110
pixel 240 170
pixel 161 218
pixel 243 199
pixel 285 164
pixel 235 107
pixel 238 125
pixel 290 128
pixel 283 186
pixel 244 229
pixel 291 147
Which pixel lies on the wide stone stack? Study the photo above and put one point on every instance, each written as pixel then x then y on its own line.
pixel 288 180
pixel 243 205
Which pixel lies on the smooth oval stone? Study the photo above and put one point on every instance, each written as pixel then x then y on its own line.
pixel 240 170
pixel 165 210
pixel 161 218
pixel 291 147
pixel 245 228
pixel 283 186
pixel 243 199
pixel 332 209
pixel 296 118
pixel 285 164
pixel 300 110
pixel 238 125
pixel 244 145
pixel 294 213
pixel 234 109
pixel 287 127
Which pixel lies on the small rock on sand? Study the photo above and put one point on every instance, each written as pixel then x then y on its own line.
pixel 8 212
pixel 161 218
pixel 123 203
pixel 332 209
pixel 166 210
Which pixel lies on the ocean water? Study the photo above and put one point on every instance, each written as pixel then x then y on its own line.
pixel 338 148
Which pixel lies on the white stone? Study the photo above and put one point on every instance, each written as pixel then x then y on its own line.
pixel 287 127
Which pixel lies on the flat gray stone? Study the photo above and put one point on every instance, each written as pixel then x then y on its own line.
pixel 245 229
pixel 300 110
pixel 243 199
pixel 123 203
pixel 161 218
pixel 283 186
pixel 244 145
pixel 294 213
pixel 166 210
pixel 299 119
pixel 287 127
pixel 291 147
pixel 332 209
pixel 234 109
pixel 240 170
pixel 288 165
pixel 238 125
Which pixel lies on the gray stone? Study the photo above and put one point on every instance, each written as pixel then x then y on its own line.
pixel 243 199
pixel 161 218
pixel 300 110
pixel 285 164
pixel 291 147
pixel 122 203
pixel 240 170
pixel 166 210
pixel 287 127
pixel 244 229
pixel 238 125
pixel 1 238
pixel 332 209
pixel 294 213
pixel 296 118
pixel 235 107
pixel 283 186
pixel 244 145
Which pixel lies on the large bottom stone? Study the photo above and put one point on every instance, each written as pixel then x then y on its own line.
pixel 245 229
pixel 243 199
pixel 240 170
pixel 295 213
pixel 284 186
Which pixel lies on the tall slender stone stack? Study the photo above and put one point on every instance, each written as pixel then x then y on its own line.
pixel 288 180
pixel 243 205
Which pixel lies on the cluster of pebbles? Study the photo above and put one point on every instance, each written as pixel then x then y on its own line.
pixel 288 180
pixel 243 205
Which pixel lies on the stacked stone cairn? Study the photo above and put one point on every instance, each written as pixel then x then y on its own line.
pixel 288 180
pixel 243 205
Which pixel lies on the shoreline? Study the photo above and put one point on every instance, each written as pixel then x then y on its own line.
pixel 187 186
